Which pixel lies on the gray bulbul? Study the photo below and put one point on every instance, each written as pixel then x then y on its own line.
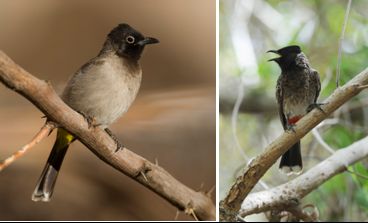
pixel 297 91
pixel 103 90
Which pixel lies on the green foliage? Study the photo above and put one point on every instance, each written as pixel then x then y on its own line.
pixel 361 180
pixel 335 18
pixel 341 136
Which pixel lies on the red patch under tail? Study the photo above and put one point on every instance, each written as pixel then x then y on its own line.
pixel 294 119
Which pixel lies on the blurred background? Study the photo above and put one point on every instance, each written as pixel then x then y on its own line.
pixel 248 111
pixel 172 120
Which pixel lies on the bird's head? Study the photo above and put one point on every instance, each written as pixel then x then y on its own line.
pixel 288 56
pixel 128 42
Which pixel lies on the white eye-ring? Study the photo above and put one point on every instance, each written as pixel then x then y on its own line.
pixel 130 39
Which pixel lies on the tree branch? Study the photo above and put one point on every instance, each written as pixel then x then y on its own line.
pixel 43 96
pixel 43 133
pixel 230 206
pixel 292 191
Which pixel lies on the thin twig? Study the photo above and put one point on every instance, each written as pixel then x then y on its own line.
pixel 363 86
pixel 340 44
pixel 234 120
pixel 357 174
pixel 322 142
pixel 43 133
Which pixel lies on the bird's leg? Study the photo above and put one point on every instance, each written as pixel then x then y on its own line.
pixel 119 146
pixel 290 123
pixel 290 127
pixel 315 105
pixel 90 120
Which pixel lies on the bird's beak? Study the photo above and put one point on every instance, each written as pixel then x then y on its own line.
pixel 148 40
pixel 276 52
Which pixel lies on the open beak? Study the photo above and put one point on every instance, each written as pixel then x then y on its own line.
pixel 148 40
pixel 276 52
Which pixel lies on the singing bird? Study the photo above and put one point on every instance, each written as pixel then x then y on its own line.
pixel 102 90
pixel 297 90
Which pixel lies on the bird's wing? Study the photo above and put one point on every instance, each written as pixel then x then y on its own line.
pixel 315 81
pixel 280 101
pixel 91 63
pixel 84 69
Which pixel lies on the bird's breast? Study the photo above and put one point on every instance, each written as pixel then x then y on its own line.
pixel 296 94
pixel 105 92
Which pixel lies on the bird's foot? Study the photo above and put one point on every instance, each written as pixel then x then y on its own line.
pixel 90 120
pixel 290 127
pixel 316 105
pixel 119 145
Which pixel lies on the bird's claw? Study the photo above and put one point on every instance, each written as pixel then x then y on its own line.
pixel 119 145
pixel 290 127
pixel 90 120
pixel 316 105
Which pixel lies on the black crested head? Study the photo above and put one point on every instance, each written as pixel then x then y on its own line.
pixel 128 42
pixel 289 50
pixel 287 57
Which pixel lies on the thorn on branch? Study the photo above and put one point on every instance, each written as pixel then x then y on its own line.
pixel 209 192
pixel 144 176
pixel 201 188
pixel 189 210
pixel 177 215
pixel 48 82
pixel 143 172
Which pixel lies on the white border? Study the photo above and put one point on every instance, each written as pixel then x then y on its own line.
pixel 217 112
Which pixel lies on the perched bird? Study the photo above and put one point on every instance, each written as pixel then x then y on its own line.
pixel 297 91
pixel 102 90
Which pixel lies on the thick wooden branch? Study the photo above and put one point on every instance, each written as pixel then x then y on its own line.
pixel 230 206
pixel 43 96
pixel 290 193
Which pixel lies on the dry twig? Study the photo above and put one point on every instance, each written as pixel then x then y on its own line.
pixel 43 133
pixel 338 65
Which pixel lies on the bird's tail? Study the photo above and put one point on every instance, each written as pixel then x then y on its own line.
pixel 291 161
pixel 46 183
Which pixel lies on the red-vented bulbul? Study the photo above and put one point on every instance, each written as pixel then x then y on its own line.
pixel 297 91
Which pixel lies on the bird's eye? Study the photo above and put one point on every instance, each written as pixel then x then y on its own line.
pixel 130 39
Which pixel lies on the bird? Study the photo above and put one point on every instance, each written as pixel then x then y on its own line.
pixel 102 90
pixel 297 91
